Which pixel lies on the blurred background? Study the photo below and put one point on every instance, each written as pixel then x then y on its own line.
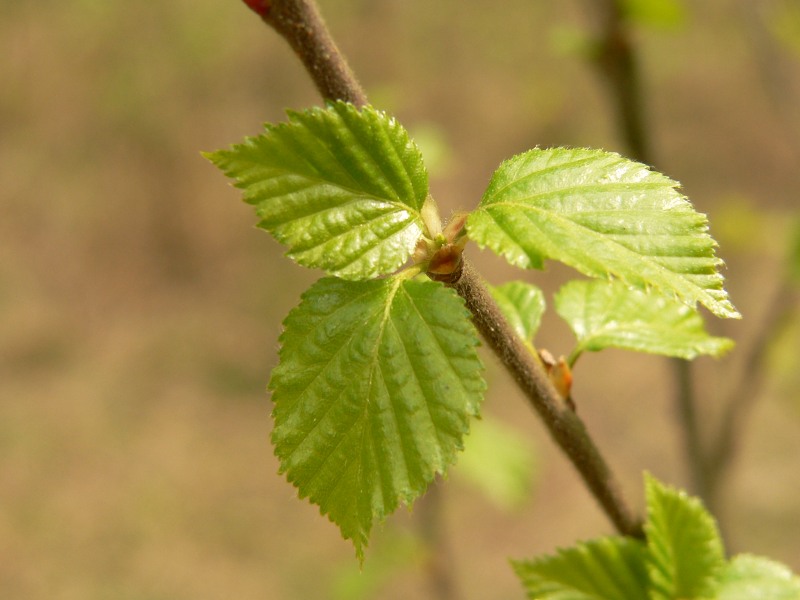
pixel 140 309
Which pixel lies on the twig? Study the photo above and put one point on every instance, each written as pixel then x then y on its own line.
pixel 300 23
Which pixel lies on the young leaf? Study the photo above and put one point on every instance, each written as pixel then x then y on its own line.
pixel 522 305
pixel 341 187
pixel 749 577
pixel 605 216
pixel 610 314
pixel 685 554
pixel 374 391
pixel 610 568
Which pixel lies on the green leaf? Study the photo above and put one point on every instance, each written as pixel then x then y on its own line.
pixel 500 462
pixel 605 216
pixel 612 315
pixel 522 305
pixel 749 577
pixel 341 187
pixel 685 553
pixel 374 391
pixel 666 14
pixel 610 568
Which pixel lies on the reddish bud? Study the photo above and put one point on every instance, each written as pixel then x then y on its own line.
pixel 560 375
pixel 260 7
pixel 446 260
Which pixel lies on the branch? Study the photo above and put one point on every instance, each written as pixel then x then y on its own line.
pixel 300 23
pixel 564 425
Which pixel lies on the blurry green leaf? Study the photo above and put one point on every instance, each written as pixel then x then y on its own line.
pixel 749 577
pixel 522 305
pixel 794 253
pixel 341 187
pixel 685 553
pixel 567 40
pixel 499 461
pixel 395 554
pixel 610 568
pixel 432 142
pixel 741 224
pixel 612 315
pixel 374 391
pixel 605 216
pixel 784 23
pixel 665 14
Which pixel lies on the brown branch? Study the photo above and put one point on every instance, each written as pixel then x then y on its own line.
pixel 300 23
pixel 564 425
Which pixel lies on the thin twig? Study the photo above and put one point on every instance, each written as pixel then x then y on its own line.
pixel 300 23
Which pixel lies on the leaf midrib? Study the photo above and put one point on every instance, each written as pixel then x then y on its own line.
pixel 595 189
pixel 357 194
pixel 525 209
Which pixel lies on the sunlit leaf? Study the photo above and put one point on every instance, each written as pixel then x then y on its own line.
pixel 374 391
pixel 605 216
pixel 749 577
pixel 610 568
pixel 522 305
pixel 612 315
pixel 341 187
pixel 685 553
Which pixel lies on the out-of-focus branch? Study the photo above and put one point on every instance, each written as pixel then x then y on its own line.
pixel 745 392
pixel 439 559
pixel 784 300
pixel 617 62
pixel 616 59
pixel 300 23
